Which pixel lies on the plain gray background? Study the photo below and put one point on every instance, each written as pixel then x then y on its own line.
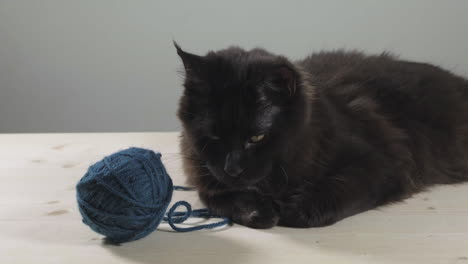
pixel 109 65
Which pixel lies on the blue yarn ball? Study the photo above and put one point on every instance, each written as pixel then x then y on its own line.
pixel 125 196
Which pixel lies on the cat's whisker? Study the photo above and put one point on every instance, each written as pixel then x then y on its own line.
pixel 204 175
pixel 285 174
pixel 217 184
pixel 340 179
pixel 201 166
pixel 308 182
pixel 204 147
pixel 198 167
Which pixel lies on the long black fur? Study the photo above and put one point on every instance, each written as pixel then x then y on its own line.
pixel 344 133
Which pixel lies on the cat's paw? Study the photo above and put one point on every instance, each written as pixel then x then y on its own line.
pixel 301 211
pixel 260 218
pixel 255 212
pixel 293 212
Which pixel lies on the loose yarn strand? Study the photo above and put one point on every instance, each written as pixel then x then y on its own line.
pixel 174 217
pixel 183 188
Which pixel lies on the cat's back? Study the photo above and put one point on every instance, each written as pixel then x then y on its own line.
pixel 402 87
pixel 325 65
pixel 341 66
pixel 427 104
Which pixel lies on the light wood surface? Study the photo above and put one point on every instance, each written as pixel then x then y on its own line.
pixel 40 223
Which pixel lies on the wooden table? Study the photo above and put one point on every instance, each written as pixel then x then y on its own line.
pixel 40 223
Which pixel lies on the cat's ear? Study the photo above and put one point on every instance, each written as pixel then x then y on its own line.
pixel 285 79
pixel 192 63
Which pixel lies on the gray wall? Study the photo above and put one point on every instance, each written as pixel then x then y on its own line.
pixel 87 65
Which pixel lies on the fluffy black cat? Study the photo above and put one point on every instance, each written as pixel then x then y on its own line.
pixel 269 141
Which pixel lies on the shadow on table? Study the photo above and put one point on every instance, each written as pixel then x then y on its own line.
pixel 396 239
pixel 170 247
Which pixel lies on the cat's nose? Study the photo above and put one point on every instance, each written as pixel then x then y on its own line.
pixel 231 165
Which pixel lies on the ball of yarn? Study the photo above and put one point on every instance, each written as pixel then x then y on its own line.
pixel 125 196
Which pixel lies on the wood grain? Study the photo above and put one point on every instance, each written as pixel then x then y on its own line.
pixel 39 221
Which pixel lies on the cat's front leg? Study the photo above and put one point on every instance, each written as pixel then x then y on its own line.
pixel 246 208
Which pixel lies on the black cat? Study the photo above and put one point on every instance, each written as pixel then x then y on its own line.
pixel 268 141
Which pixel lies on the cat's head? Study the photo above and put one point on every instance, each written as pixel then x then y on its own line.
pixel 239 110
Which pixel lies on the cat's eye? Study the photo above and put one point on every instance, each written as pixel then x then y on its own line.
pixel 257 138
